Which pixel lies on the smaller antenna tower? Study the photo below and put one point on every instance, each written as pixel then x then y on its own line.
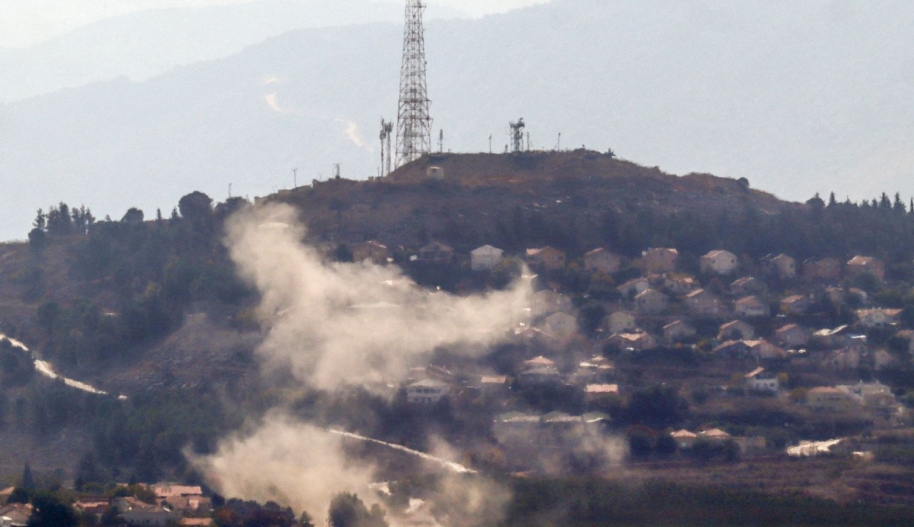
pixel 490 143
pixel 336 171
pixel 295 177
pixel 441 141
pixel 386 133
pixel 517 135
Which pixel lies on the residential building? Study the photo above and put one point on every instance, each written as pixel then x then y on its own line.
pixel 829 399
pixel 784 266
pixel 736 349
pixel 548 258
pixel 702 302
pixel 601 260
pixel 651 302
pixel 877 318
pixel 751 306
pixel 715 435
pixel 596 391
pixel 680 284
pixel 719 262
pixel 684 439
pixel 748 285
pixel 485 258
pixel 795 304
pixel 865 264
pixel 792 336
pixel 759 381
pixel 736 330
pixel 561 324
pixel 437 253
pixel 620 322
pixel 540 375
pixel 426 391
pixel 633 341
pixel 659 260
pixel 828 269
pixel 547 302
pixel 763 350
pixel 634 286
pixel 678 331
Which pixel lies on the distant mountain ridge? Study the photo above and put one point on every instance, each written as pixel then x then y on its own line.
pixel 149 43
pixel 809 97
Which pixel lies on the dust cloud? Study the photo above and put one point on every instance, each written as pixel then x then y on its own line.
pixel 334 325
pixel 345 323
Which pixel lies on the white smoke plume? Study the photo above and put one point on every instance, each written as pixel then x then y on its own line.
pixel 344 323
pixel 290 463
pixel 336 324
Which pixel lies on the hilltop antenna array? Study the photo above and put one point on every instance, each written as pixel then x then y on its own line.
pixel 386 132
pixel 414 125
pixel 517 135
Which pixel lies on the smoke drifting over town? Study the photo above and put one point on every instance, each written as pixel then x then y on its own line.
pixel 341 323
pixel 334 325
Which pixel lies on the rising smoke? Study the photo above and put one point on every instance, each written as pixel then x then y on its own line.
pixel 334 325
pixel 340 323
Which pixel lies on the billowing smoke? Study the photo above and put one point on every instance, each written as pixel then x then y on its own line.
pixel 331 325
pixel 338 323
pixel 291 463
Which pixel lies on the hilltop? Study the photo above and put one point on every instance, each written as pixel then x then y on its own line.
pixel 472 199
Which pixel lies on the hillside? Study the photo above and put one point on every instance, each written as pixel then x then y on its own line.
pixel 215 330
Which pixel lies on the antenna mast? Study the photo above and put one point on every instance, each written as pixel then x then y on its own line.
pixel 517 136
pixel 414 125
pixel 386 131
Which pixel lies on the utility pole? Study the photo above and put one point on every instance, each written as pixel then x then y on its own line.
pixel 295 178
pixel 490 143
pixel 414 124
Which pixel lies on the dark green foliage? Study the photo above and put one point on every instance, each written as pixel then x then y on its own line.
pixel 590 317
pixel 658 407
pixel 16 366
pixel 591 502
pixel 347 510
pixel 51 512
pixel 38 240
pixel 19 495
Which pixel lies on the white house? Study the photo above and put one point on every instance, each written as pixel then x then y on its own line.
pixel 426 391
pixel 485 258
pixel 634 286
pixel 720 262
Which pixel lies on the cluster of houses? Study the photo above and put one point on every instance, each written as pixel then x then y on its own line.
pixel 759 311
pixel 173 505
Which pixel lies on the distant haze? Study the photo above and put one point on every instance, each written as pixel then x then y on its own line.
pixel 798 97
pixel 29 22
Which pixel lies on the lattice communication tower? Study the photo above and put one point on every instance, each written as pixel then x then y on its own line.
pixel 414 125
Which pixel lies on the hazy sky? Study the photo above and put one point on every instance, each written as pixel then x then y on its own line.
pixel 26 22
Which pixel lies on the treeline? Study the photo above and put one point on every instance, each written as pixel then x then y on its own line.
pixel 154 270
pixel 882 227
pixel 586 502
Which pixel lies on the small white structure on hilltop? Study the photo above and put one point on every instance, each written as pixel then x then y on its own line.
pixel 485 258
pixel 426 391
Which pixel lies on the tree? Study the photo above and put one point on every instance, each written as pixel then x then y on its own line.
pixel 658 407
pixel 28 480
pixel 347 510
pixel 306 520
pixel 48 511
pixel 196 207
pixel 19 495
pixel 41 221
pixel 38 240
